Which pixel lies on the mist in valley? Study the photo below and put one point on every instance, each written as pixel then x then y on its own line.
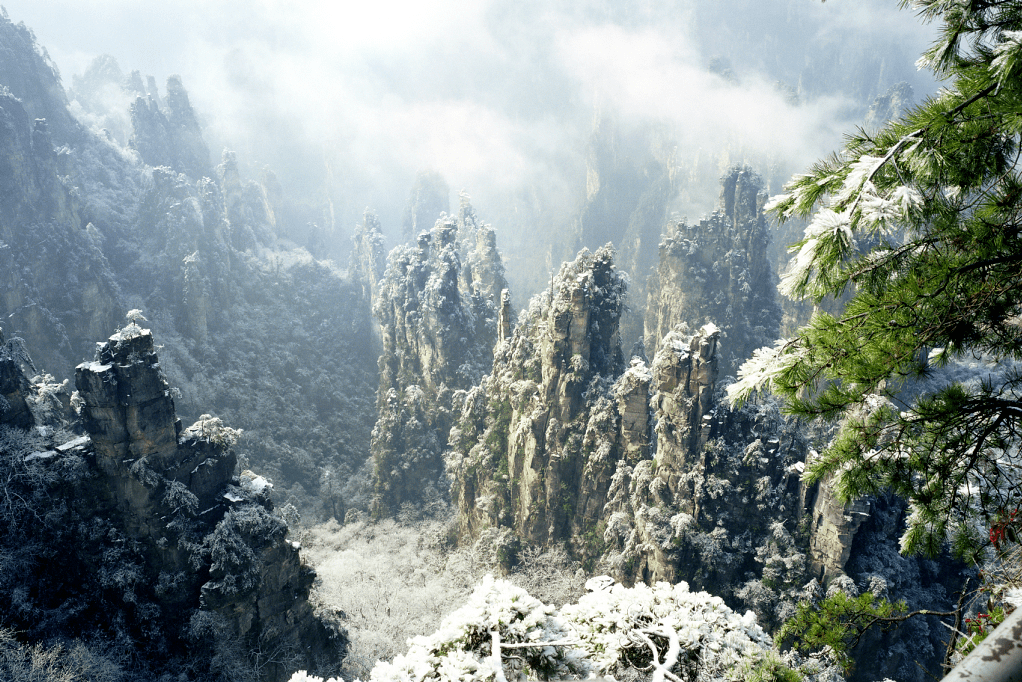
pixel 517 104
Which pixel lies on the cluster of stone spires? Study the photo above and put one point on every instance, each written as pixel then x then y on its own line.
pixel 171 490
pixel 548 441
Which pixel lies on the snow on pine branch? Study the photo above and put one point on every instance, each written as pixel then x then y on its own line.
pixel 860 172
pixel 1007 55
pixel 857 205
pixel 828 231
pixel 758 371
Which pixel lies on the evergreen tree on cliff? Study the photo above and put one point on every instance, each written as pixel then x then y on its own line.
pixel 922 223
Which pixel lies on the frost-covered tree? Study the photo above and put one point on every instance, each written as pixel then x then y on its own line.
pixel 670 631
pixel 922 223
pixel 665 632
pixel 501 633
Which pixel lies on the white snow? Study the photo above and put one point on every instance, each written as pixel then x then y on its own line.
pixel 254 483
pixel 40 456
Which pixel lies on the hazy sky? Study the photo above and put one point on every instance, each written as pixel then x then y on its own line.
pixel 497 96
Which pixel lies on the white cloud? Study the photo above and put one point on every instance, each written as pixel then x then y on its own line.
pixel 652 75
pixel 493 95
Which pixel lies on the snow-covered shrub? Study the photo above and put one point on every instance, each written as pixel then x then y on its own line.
pixel 391 581
pixel 73 661
pixel 302 676
pixel 500 633
pixel 658 632
pixel 46 400
pixel 212 429
pixel 232 546
pixel 549 574
pixel 680 634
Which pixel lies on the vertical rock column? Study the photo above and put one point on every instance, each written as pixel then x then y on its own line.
pixel 538 442
pixel 718 271
pixel 684 376
pixel 504 317
pixel 632 391
pixel 832 529
pixel 128 409
pixel 165 482
pixel 130 416
pixel 13 389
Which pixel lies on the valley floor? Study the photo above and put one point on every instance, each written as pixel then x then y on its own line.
pixel 396 579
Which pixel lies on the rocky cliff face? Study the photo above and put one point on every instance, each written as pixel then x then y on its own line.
pixel 640 470
pixel 174 492
pixel 368 258
pixel 717 504
pixel 832 529
pixel 631 180
pixel 103 94
pixel 74 217
pixel 482 274
pixel 139 533
pixel 529 452
pixel 138 536
pixel 14 410
pixel 438 322
pixel 170 135
pixel 27 71
pixel 247 206
pixel 88 231
pixel 42 232
pixel 718 271
pixel 646 476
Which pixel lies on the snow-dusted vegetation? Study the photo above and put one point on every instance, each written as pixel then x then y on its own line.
pixel 395 474
pixel 396 579
pixel 660 632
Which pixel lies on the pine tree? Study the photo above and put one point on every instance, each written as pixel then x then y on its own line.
pixel 921 222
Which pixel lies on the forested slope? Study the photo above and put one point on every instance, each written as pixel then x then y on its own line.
pixel 254 329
